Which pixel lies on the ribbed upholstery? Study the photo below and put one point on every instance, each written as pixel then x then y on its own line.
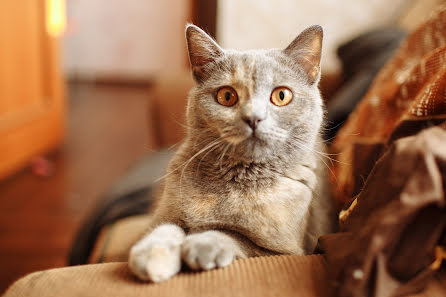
pixel 263 276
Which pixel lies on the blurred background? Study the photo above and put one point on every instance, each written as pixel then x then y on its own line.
pixel 89 87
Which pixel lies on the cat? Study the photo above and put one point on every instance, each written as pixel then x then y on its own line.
pixel 249 179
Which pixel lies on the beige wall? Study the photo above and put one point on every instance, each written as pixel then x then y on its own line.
pixel 129 39
pixel 273 24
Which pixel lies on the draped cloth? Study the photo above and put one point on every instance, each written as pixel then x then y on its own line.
pixel 390 176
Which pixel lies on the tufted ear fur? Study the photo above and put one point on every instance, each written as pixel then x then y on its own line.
pixel 202 50
pixel 306 50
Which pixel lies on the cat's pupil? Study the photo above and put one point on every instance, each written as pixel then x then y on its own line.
pixel 281 95
pixel 227 96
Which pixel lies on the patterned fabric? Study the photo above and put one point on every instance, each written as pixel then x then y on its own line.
pixel 411 86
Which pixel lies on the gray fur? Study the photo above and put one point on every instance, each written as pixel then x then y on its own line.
pixel 234 192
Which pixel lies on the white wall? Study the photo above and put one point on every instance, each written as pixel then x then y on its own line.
pixel 129 39
pixel 244 24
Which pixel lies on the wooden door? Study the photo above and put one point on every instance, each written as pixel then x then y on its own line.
pixel 31 89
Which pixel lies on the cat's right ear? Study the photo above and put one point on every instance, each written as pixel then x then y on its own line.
pixel 202 50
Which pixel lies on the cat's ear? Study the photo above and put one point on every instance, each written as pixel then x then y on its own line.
pixel 306 50
pixel 202 50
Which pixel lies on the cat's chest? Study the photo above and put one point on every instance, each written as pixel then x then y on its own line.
pixel 271 218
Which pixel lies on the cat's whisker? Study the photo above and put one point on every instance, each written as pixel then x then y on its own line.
pixel 173 146
pixel 324 141
pixel 227 133
pixel 185 164
pixel 233 151
pixel 200 134
pixel 277 138
pixel 325 155
pixel 207 153
pixel 181 124
pixel 314 150
pixel 318 155
pixel 280 131
pixel 209 146
pixel 223 154
pixel 332 128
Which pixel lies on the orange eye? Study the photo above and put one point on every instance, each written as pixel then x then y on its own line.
pixel 281 96
pixel 227 96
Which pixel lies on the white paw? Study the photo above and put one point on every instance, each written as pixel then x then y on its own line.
pixel 155 262
pixel 157 257
pixel 206 251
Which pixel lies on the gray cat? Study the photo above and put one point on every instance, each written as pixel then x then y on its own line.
pixel 249 178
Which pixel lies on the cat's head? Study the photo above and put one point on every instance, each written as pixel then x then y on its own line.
pixel 260 102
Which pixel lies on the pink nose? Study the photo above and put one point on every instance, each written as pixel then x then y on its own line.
pixel 252 121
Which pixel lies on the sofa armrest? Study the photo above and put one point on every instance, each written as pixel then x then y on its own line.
pixel 283 276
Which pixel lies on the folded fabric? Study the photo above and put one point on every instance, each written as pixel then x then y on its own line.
pixel 390 234
pixel 411 86
pixel 390 176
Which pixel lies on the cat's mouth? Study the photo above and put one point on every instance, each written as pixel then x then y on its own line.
pixel 258 136
pixel 252 139
pixel 256 139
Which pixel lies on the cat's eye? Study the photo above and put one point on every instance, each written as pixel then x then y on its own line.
pixel 281 96
pixel 227 96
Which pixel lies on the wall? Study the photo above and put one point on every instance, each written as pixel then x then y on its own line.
pixel 124 39
pixel 274 24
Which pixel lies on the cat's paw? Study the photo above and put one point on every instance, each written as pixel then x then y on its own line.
pixel 157 259
pixel 206 251
pixel 155 262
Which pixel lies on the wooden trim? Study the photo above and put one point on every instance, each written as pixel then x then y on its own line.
pixel 113 81
pixel 204 15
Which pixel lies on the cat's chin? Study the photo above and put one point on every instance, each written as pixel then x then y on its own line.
pixel 256 149
pixel 253 147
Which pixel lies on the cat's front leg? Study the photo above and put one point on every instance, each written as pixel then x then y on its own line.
pixel 157 256
pixel 210 249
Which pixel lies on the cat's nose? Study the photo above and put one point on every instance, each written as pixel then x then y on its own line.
pixel 252 121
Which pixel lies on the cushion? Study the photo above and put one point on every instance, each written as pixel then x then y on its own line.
pixel 116 239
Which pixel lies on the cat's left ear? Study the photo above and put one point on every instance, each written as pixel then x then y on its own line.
pixel 202 50
pixel 306 50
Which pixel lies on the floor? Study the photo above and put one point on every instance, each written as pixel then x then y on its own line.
pixel 107 131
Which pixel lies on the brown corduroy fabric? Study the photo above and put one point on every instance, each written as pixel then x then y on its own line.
pixel 264 276
pixel 279 276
